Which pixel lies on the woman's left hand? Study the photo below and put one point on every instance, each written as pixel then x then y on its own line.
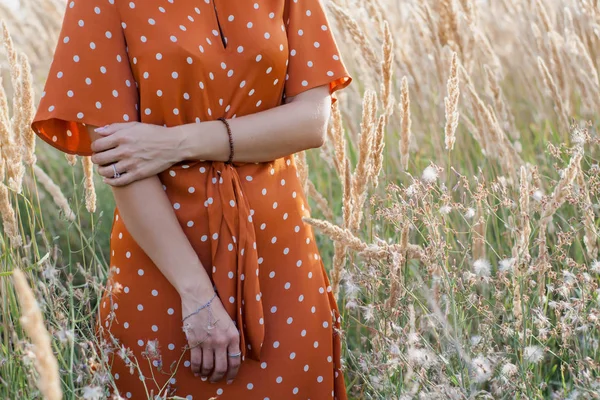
pixel 136 149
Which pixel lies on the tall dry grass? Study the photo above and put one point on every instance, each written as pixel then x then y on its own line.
pixel 458 210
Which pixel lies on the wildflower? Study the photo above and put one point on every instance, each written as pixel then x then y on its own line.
pixel 533 354
pixel 508 370
pixel 482 369
pixel 151 350
pixel 411 190
pixel 65 335
pixel 595 267
pixel 482 267
pixel 445 210
pixel 470 213
pixel 422 357
pixel 430 174
pixel 92 393
pixel 538 195
pixel 506 265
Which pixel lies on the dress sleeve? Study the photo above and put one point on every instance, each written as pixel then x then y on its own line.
pixel 90 81
pixel 314 57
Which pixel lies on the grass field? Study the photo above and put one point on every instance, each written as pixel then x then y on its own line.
pixel 455 201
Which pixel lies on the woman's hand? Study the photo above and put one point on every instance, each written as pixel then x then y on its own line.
pixel 137 151
pixel 212 336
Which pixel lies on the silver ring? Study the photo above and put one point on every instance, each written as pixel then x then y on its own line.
pixel 234 354
pixel 116 175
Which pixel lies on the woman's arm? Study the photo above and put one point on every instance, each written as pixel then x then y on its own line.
pixel 298 125
pixel 156 230
pixel 143 150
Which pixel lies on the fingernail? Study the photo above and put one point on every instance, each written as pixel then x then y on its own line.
pixel 101 128
pixel 104 179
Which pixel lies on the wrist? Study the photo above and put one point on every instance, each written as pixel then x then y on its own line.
pixel 196 291
pixel 181 148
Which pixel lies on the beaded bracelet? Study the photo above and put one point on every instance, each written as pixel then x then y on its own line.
pixel 230 140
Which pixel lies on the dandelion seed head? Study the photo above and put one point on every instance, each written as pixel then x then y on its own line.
pixel 482 267
pixel 445 210
pixel 506 265
pixel 533 354
pixel 92 393
pixel 482 369
pixel 430 174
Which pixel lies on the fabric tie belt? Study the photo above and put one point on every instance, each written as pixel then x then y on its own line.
pixel 235 263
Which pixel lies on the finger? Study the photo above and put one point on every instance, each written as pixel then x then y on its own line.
pixel 104 157
pixel 124 180
pixel 220 364
pixel 233 362
pixel 112 128
pixel 196 360
pixel 208 361
pixel 108 171
pixel 104 143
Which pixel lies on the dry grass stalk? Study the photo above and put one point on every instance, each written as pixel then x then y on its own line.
pixel 377 151
pixel 405 131
pixel 451 103
pixel 557 198
pixel 435 38
pixel 347 194
pixel 499 144
pixel 57 195
pixel 71 159
pixel 507 118
pixel 387 70
pixel 375 251
pixel 27 105
pixel 357 34
pixel 90 190
pixel 33 324
pixel 478 234
pixel 9 217
pixel 320 200
pixel 336 133
pixel 559 106
pixel 448 24
pixel 338 262
pixel 302 168
pixel 590 237
pixel 364 164
pixel 12 144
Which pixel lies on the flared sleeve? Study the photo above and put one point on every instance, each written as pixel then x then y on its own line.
pixel 314 56
pixel 90 81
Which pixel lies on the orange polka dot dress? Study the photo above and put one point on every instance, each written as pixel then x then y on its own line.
pixel 173 62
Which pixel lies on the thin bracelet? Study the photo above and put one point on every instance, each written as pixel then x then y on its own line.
pixel 201 307
pixel 230 160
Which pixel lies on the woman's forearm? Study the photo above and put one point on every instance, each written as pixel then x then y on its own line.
pixel 262 136
pixel 155 228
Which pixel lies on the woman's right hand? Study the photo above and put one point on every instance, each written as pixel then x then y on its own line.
pixel 217 336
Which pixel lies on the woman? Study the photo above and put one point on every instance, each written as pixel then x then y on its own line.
pixel 216 284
